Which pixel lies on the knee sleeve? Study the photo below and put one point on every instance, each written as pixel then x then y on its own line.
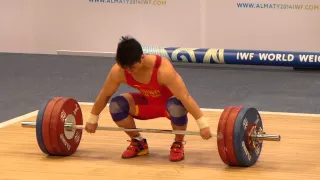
pixel 119 108
pixel 177 112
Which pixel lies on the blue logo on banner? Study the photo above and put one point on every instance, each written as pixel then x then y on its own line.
pixel 195 55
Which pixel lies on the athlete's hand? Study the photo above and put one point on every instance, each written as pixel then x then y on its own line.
pixel 205 133
pixel 91 128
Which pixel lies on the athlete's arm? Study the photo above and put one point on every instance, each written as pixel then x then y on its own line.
pixel 110 86
pixel 170 78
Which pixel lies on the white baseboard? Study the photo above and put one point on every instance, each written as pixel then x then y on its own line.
pixel 86 53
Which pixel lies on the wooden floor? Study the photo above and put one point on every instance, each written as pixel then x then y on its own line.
pixel 98 157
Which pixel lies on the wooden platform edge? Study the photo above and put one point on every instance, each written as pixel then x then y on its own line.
pixel 34 113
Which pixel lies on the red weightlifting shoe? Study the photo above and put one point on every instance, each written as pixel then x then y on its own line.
pixel 136 148
pixel 177 151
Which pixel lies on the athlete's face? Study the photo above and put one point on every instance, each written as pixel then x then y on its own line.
pixel 135 68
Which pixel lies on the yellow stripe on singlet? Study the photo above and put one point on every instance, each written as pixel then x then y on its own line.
pixel 137 111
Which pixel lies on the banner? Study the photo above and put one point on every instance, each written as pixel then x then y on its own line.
pixel 233 56
pixel 264 24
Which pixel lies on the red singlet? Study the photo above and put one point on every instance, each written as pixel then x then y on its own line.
pixel 151 101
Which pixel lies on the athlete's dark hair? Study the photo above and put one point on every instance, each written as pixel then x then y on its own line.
pixel 129 52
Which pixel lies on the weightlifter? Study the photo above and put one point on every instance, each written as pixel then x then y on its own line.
pixel 162 93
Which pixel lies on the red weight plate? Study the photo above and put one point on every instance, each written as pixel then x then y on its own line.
pixel 66 110
pixel 46 125
pixel 229 135
pixel 221 134
pixel 54 127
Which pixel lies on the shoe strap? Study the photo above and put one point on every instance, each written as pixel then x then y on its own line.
pixel 134 144
pixel 177 146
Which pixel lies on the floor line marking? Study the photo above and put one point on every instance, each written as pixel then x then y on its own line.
pixel 18 119
pixel 220 110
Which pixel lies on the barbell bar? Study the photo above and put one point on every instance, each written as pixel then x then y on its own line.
pixel 72 127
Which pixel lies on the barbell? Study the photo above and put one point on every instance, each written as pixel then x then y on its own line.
pixel 240 135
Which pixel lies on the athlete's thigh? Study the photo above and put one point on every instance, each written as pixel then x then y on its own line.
pixel 134 99
pixel 141 108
